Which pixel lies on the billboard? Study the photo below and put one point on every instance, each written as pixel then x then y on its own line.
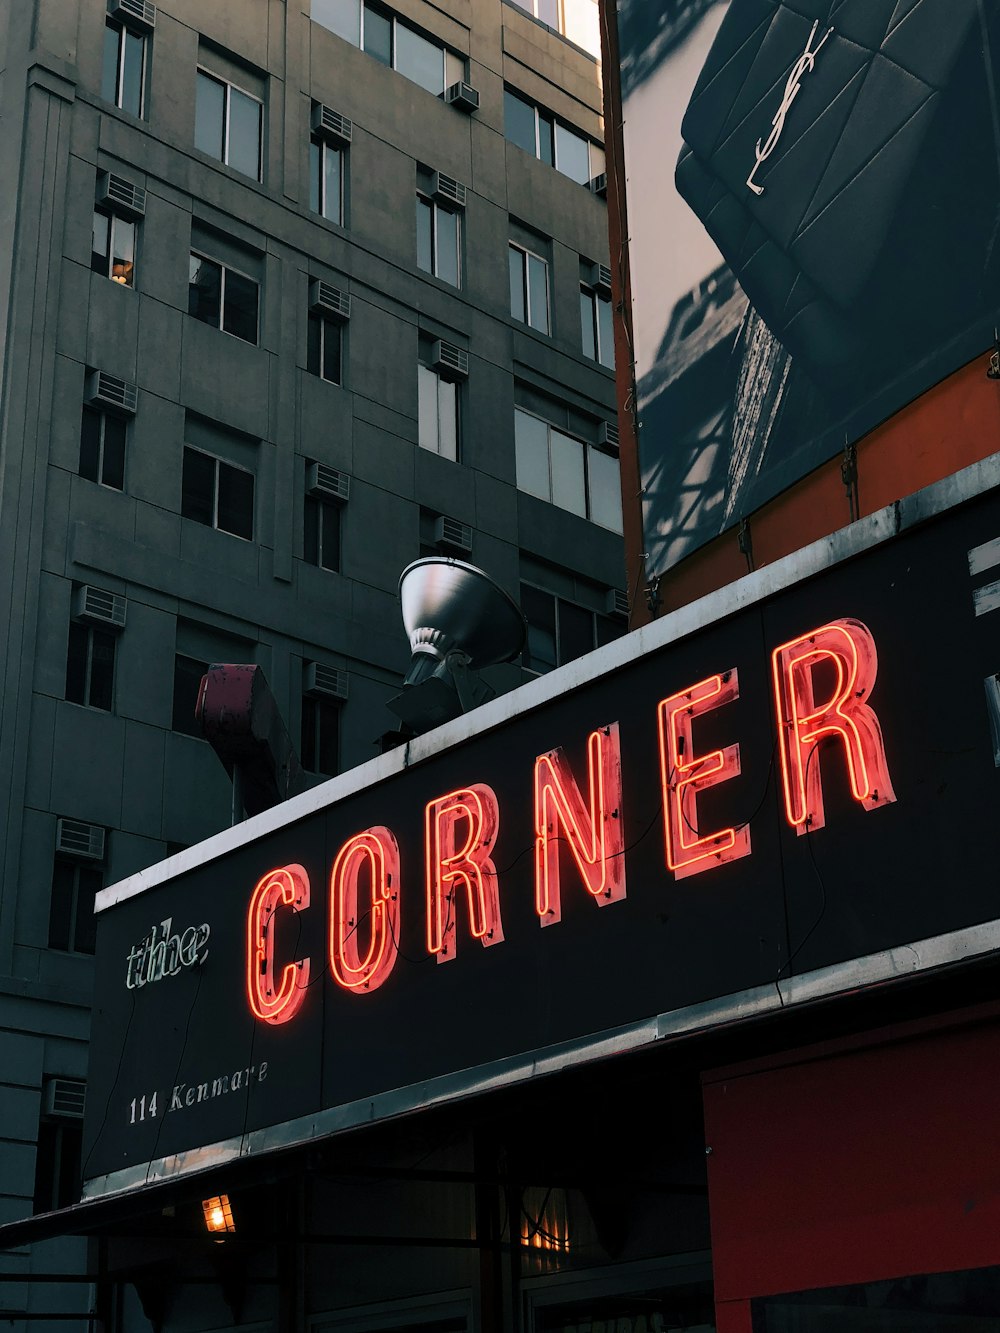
pixel 798 771
pixel 813 195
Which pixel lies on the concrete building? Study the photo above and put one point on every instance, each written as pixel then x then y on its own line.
pixel 289 300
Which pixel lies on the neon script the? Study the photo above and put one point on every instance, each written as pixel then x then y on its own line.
pixel 821 681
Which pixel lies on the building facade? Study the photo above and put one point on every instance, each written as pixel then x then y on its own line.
pixel 290 300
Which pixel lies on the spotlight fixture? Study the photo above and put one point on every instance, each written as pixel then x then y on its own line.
pixel 218 1214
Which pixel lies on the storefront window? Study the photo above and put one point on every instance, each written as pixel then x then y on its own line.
pixel 963 1302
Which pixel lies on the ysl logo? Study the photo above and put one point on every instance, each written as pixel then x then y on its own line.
pixel 802 66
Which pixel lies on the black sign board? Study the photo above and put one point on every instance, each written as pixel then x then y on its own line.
pixel 178 1061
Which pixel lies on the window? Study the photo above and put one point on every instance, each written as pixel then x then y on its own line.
pixel 124 78
pixel 438 413
pixel 575 19
pixel 320 749
pixel 217 493
pixel 90 666
pixel 392 42
pixel 228 124
pixel 529 288
pixel 327 163
pixel 560 631
pixel 321 540
pixel 102 448
pixel 223 297
pixel 112 252
pixel 566 471
pixel 325 345
pixel 59 1152
pixel 548 139
pixel 72 928
pixel 188 672
pixel 439 240
pixel 597 327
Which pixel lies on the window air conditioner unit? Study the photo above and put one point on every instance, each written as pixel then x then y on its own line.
pixel 447 189
pixel 616 603
pixel 80 840
pixel 110 393
pixel 325 299
pixel 599 185
pixel 450 362
pixel 449 532
pixel 326 682
pixel 330 124
pixel 463 96
pixel 139 14
pixel 64 1097
pixel 99 607
pixel 607 434
pixel 120 195
pixel 327 482
pixel 600 278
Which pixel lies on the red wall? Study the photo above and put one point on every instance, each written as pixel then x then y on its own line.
pixel 849 1165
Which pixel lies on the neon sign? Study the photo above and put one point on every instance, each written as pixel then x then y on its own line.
pixel 822 681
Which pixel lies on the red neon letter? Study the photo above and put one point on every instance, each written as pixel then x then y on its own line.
pixel 376 848
pixel 683 775
pixel 803 723
pixel 287 887
pixel 449 864
pixel 594 835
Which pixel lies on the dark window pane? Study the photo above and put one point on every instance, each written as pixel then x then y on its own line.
pixel 89 881
pixel 70 1157
pixel 46 1157
pixel 308 746
pixel 606 333
pixel 102 669
pixel 538 293
pixel 419 60
pixel 314 344
pixel 310 541
pixel 573 154
pixel 540 612
pixel 198 487
pixel 328 740
pixel 61 905
pixel 545 139
pixel 519 122
pixel 76 663
pixel 209 115
pixel 448 423
pixel 90 444
pixel 123 257
pixel 101 243
pixel 188 673
pixel 608 630
pixel 239 315
pixel 516 258
pixel 135 52
pixel 576 632
pixel 447 246
pixel 245 116
pixel 315 167
pixel 331 351
pixel 378 35
pixel 204 290
pixel 113 463
pixel 341 16
pixel 425 254
pixel 109 77
pixel 235 501
pixel 587 323
pixel 333 187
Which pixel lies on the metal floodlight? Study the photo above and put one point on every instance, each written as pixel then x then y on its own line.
pixel 458 621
